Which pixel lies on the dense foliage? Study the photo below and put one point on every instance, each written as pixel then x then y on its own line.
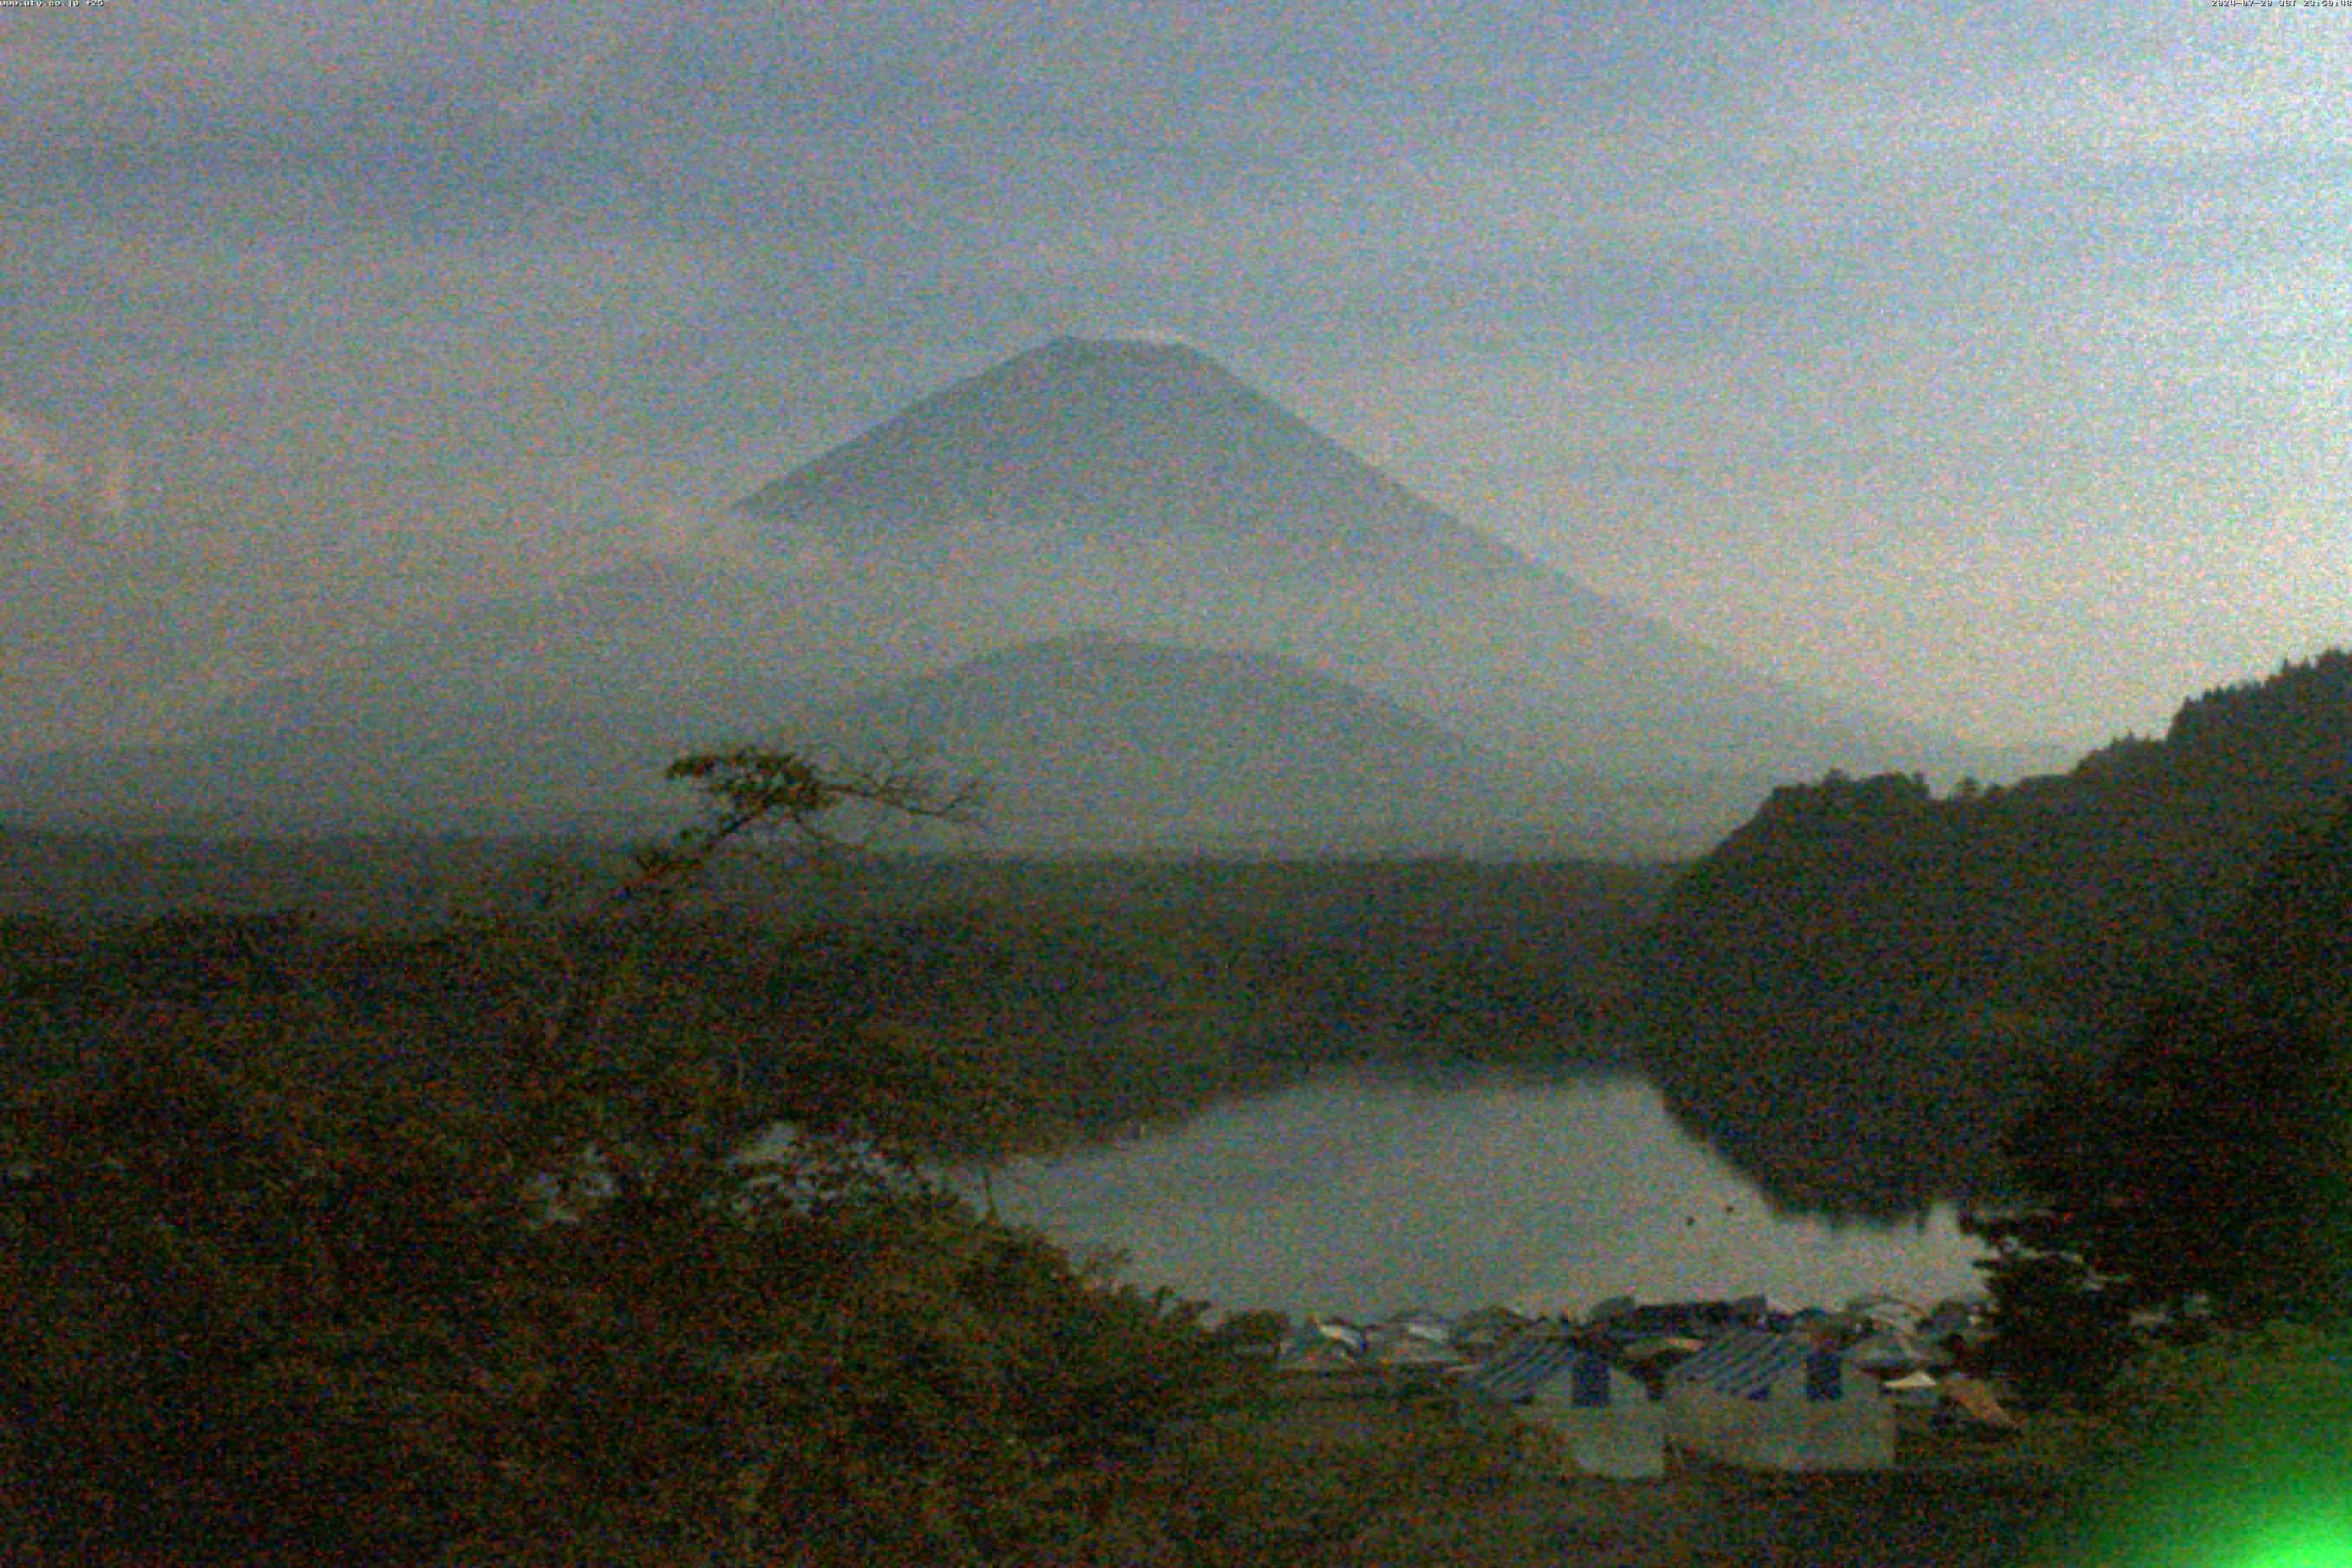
pixel 2204 1173
pixel 1865 956
pixel 1098 995
pixel 524 1301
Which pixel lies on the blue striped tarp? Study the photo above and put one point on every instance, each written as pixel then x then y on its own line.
pixel 1514 1376
pixel 1746 1364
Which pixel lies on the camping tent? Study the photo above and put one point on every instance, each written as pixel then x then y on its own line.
pixel 1607 1418
pixel 1778 1401
pixel 1418 1339
pixel 1322 1344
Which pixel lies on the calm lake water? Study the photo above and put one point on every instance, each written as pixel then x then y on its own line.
pixel 1363 1195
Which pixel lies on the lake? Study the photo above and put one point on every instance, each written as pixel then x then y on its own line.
pixel 1361 1195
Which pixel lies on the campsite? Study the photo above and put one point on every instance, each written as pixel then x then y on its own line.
pixel 1673 1433
pixel 1735 1382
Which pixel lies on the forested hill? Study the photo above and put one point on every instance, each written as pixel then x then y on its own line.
pixel 1861 953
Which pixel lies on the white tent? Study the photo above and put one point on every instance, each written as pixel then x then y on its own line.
pixel 1775 1402
pixel 1914 1388
pixel 1606 1417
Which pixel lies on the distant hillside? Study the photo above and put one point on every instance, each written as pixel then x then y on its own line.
pixel 1082 743
pixel 1861 946
pixel 653 642
pixel 1100 742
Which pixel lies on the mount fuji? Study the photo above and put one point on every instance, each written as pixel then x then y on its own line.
pixel 1139 486
pixel 1001 560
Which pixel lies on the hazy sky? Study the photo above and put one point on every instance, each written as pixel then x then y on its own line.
pixel 1986 363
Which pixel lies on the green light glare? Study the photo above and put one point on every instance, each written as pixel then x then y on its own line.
pixel 2321 1542
pixel 2238 1454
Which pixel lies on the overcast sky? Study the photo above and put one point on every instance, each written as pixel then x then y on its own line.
pixel 1986 364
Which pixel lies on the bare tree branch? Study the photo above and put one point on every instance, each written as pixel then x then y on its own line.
pixel 750 787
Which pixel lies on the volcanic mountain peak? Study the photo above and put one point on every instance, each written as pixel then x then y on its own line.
pixel 1127 435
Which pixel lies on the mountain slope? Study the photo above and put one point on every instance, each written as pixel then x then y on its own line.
pixel 1101 743
pixel 1090 744
pixel 1139 486
pixel 653 641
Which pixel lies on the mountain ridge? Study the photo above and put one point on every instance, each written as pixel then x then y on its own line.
pixel 1092 743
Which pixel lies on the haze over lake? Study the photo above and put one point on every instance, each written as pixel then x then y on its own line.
pixel 1361 1195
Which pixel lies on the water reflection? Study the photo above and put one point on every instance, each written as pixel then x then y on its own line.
pixel 1363 1194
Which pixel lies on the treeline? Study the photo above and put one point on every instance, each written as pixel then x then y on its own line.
pixel 2203 1168
pixel 1894 973
pixel 1103 994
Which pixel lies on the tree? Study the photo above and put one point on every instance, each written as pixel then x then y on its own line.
pixel 545 1310
pixel 2207 1169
